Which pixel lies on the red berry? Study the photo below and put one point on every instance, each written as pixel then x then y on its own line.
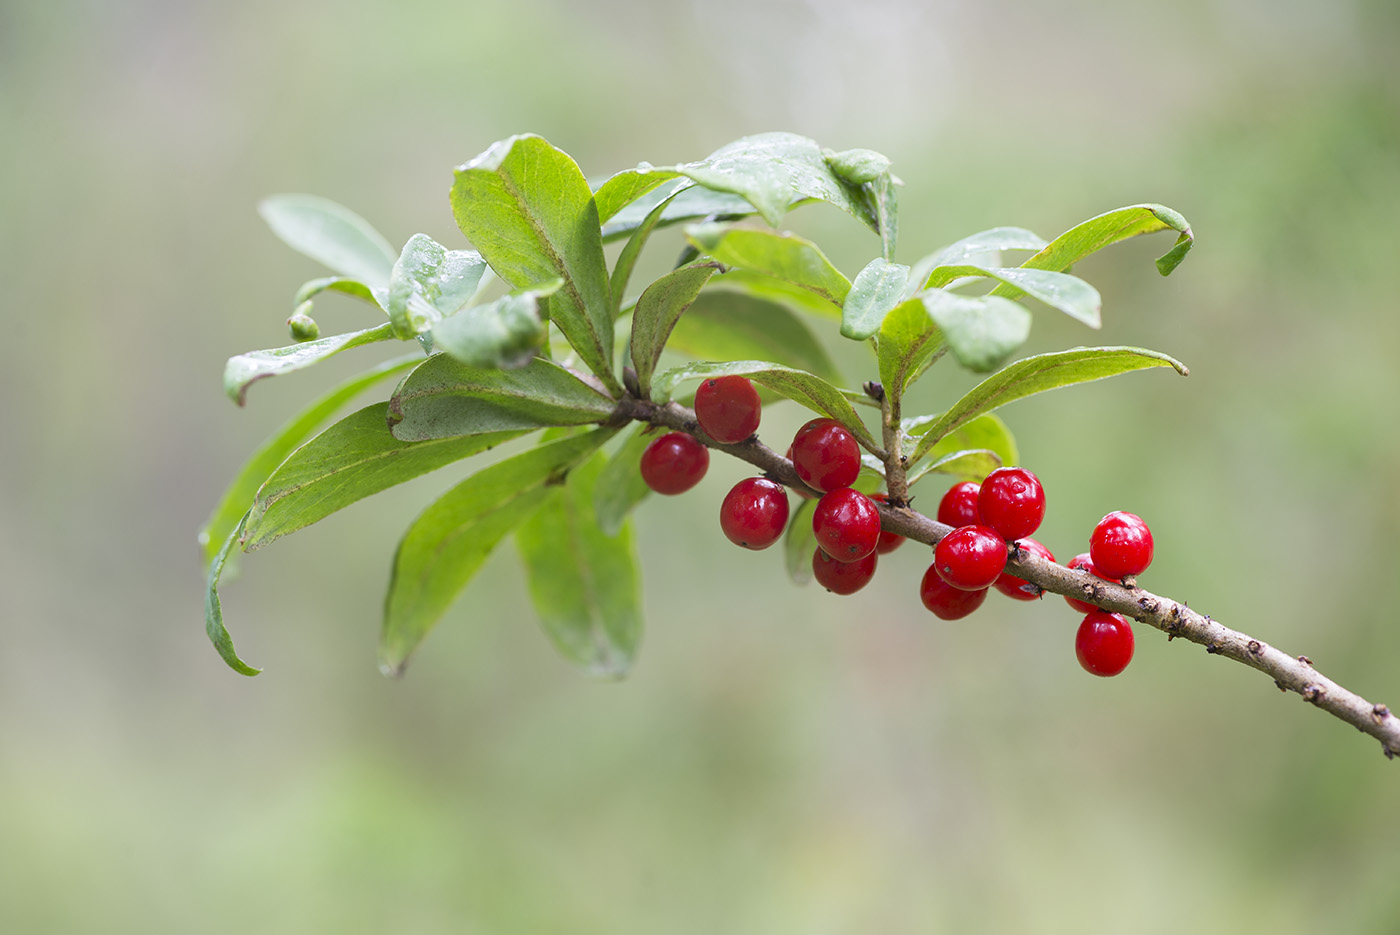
pixel 846 524
pixel 727 408
pixel 825 455
pixel 1104 643
pixel 1121 546
pixel 889 541
pixel 754 513
pixel 1020 589
pixel 674 463
pixel 970 557
pixel 842 577
pixel 946 601
pixel 1012 502
pixel 1082 560
pixel 959 505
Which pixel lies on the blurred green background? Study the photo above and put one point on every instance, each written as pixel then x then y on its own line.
pixel 782 760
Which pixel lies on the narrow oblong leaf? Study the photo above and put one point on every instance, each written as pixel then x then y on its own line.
pixel 445 397
pixel 214 611
pixel 350 460
pixel 446 545
pixel 982 330
pixel 725 325
pixel 627 186
pixel 798 385
pixel 502 334
pixel 877 289
pixel 1070 294
pixel 620 486
pixel 909 341
pixel 244 370
pixel 679 199
pixel 1037 375
pixel 526 206
pixel 331 234
pixel 657 311
pixel 782 256
pixel 984 433
pixel 972 464
pixel 343 284
pixel 782 292
pixel 584 583
pixel 430 282
pixel 975 247
pixel 272 452
pixel 800 542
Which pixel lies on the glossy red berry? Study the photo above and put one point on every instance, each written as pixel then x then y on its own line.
pixel 946 601
pixel 1019 588
pixel 959 505
pixel 754 513
pixel 727 408
pixel 842 577
pixel 825 455
pixel 1082 560
pixel 674 463
pixel 970 557
pixel 1121 546
pixel 889 541
pixel 846 524
pixel 1012 502
pixel 1104 643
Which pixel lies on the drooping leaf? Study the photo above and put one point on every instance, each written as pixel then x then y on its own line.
pixel 526 206
pixel 214 611
pixel 331 234
pixel 725 325
pixel 246 369
pixel 446 545
pixel 800 542
pixel 620 486
pixel 430 282
pixel 502 334
pixel 1037 375
pixel 657 311
pixel 857 166
pixel 350 460
pixel 909 341
pixel 984 434
pixel 1108 229
pixel 631 251
pixel 1070 294
pixel 782 256
pixel 877 289
pixel 972 248
pixel 584 583
pixel 798 385
pixel 239 494
pixel 445 397
pixel 343 284
pixel 684 201
pixel 982 330
pixel 784 293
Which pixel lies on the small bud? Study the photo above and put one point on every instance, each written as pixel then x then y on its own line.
pixel 302 325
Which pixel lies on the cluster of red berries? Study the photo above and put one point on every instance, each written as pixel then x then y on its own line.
pixel 1004 509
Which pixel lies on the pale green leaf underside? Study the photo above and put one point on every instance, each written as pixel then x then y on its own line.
pixel 330 234
pixel 684 201
pixel 429 283
pixel 244 370
pixel 502 334
pixel 974 248
pixel 981 331
pixel 877 289
pixel 782 256
pixel 214 611
pixel 1069 294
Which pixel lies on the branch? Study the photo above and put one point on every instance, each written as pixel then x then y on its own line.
pixel 1290 673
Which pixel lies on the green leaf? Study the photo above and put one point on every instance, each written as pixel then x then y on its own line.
pixel 627 186
pixel 724 325
pixel 880 195
pixel 981 331
pixel 239 494
pixel 430 282
pixel 314 287
pixel 526 206
pixel 246 369
pixel 976 246
pixel 800 542
pixel 972 464
pixel 331 234
pixel 657 311
pixel 1107 229
pixel 680 200
pixel 1037 375
pixel 983 434
pixel 620 486
pixel 584 583
pixel 446 545
pixel 350 460
pixel 858 166
pixel 445 397
pixel 627 258
pixel 214 611
pixel 876 291
pixel 780 255
pixel 797 385
pixel 503 334
pixel 780 291
pixel 909 341
pixel 1070 294
pixel 773 170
